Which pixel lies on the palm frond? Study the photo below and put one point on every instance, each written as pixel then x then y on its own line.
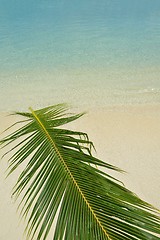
pixel 61 177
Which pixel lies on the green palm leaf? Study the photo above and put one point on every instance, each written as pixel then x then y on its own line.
pixel 62 178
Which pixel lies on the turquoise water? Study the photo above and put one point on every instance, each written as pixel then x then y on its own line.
pixel 88 52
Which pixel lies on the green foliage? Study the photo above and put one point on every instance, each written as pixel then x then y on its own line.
pixel 61 177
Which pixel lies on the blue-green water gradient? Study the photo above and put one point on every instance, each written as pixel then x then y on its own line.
pixel 87 52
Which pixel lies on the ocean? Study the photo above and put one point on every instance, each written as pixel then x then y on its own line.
pixel 87 53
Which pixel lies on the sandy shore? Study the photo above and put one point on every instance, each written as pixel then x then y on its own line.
pixel 128 137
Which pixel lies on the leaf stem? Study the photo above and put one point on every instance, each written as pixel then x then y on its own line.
pixel 68 171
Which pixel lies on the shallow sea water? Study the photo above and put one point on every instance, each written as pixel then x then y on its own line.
pixel 88 52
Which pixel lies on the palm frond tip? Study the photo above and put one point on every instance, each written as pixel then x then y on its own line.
pixel 61 176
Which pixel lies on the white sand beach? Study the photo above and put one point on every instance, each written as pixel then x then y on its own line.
pixel 128 137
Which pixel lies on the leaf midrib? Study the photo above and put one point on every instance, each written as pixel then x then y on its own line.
pixel 68 171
